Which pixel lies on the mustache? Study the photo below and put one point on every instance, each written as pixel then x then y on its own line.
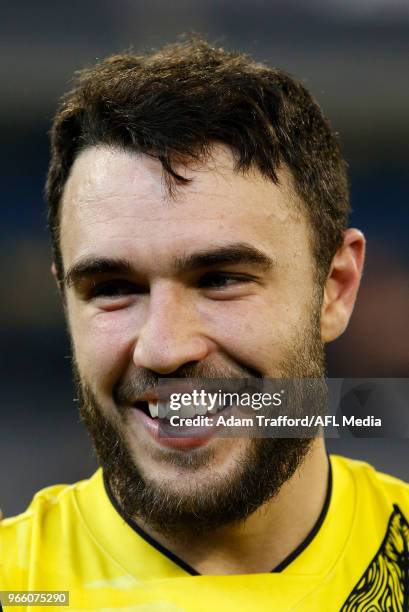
pixel 138 383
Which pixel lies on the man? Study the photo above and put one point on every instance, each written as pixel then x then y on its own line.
pixel 198 210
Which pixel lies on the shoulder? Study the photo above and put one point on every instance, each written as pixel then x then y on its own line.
pixel 44 502
pixel 50 509
pixel 374 486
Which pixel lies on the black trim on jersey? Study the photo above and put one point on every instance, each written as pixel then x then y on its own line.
pixel 309 538
pixel 190 570
pixel 146 536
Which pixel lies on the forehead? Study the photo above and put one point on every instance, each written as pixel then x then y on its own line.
pixel 117 202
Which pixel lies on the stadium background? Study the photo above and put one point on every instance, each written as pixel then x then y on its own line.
pixel 352 54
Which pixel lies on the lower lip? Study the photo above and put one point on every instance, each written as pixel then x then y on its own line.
pixel 152 426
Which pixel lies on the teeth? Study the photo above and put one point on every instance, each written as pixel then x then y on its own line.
pixel 161 409
pixel 201 409
pixel 187 411
pixel 153 409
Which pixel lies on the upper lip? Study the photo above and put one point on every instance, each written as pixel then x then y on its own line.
pixel 162 393
pixel 150 396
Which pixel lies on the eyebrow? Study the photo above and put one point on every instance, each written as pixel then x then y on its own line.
pixel 92 266
pixel 235 253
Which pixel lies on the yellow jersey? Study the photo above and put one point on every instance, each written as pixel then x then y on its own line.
pixel 72 538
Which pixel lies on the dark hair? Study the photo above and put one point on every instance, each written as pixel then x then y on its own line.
pixel 175 103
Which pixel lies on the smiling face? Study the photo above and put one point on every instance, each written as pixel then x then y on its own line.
pixel 218 281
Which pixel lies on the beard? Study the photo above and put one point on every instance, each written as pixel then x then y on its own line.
pixel 214 501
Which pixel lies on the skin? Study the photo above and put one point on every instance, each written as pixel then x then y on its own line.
pixel 115 204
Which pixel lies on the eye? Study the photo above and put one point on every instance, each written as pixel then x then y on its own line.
pixel 113 289
pixel 222 280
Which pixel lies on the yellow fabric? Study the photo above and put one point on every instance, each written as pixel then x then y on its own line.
pixel 72 538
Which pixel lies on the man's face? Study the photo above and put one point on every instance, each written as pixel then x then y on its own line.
pixel 217 281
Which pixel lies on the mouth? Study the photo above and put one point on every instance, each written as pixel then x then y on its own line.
pixel 154 417
pixel 162 409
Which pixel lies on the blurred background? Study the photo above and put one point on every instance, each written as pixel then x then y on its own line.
pixel 352 54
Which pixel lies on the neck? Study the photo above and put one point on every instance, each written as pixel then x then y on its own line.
pixel 269 535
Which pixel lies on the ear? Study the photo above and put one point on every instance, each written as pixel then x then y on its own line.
pixel 57 280
pixel 341 286
pixel 54 270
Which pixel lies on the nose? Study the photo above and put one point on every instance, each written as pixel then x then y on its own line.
pixel 171 335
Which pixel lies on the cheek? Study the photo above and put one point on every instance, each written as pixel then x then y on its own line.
pixel 103 346
pixel 259 329
pixel 253 331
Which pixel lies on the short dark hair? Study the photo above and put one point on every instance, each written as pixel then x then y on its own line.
pixel 175 103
